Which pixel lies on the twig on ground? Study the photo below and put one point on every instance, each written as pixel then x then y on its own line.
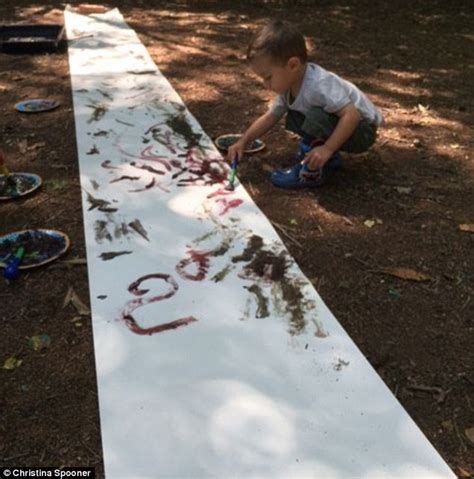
pixel 6 459
pixel 458 434
pixel 283 230
pixel 438 393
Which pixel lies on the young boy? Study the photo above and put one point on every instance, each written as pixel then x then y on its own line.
pixel 327 112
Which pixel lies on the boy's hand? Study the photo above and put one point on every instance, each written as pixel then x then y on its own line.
pixel 317 157
pixel 237 149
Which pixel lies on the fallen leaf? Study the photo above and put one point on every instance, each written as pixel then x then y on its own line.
pixel 406 273
pixel 23 146
pixel 403 190
pixel 468 228
pixel 470 434
pixel 423 109
pixel 55 184
pixel 72 297
pixel 37 145
pixel 37 343
pixel 463 473
pixel 293 222
pixel 369 223
pixel 11 363
pixel 455 146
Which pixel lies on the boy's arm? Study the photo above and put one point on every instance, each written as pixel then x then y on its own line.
pixel 349 118
pixel 259 127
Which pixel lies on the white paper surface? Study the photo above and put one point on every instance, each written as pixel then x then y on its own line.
pixel 235 387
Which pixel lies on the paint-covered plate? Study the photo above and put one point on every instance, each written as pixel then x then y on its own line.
pixel 36 106
pixel 41 246
pixel 16 185
pixel 224 141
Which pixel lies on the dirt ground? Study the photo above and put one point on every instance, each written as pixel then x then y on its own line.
pixel 416 185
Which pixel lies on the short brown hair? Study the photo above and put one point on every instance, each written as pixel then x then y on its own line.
pixel 279 40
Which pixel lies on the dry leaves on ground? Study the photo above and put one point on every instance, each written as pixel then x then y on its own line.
pixel 406 273
pixel 72 297
pixel 468 228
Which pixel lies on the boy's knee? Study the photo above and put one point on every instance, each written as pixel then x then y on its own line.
pixel 362 139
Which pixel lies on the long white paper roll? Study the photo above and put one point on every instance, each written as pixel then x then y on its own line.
pixel 216 357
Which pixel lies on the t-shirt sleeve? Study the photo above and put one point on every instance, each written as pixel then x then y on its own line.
pixel 331 94
pixel 278 106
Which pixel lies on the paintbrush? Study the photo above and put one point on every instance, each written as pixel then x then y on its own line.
pixel 233 172
pixel 11 270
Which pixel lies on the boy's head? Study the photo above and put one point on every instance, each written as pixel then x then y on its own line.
pixel 277 53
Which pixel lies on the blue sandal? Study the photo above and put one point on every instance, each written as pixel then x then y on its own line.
pixel 300 176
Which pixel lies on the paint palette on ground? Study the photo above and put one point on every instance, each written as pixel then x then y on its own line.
pixel 223 142
pixel 36 105
pixel 30 38
pixel 41 246
pixel 16 185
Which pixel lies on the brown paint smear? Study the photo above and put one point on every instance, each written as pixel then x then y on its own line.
pixel 270 268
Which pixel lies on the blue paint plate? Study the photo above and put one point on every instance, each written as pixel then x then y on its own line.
pixel 224 141
pixel 18 185
pixel 41 246
pixel 36 106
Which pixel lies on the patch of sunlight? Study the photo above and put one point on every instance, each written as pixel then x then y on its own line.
pixel 400 88
pixel 185 203
pixel 112 347
pixel 251 426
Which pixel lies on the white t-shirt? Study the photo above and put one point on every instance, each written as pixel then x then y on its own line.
pixel 329 91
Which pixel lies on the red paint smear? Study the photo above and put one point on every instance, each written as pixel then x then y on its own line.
pixel 220 192
pixel 175 163
pixel 134 304
pixel 213 168
pixel 147 154
pixel 201 258
pixel 227 205
pixel 135 290
pixel 135 328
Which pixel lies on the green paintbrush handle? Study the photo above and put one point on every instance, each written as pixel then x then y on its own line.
pixel 232 176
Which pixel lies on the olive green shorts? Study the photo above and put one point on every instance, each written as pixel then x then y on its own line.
pixel 320 125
